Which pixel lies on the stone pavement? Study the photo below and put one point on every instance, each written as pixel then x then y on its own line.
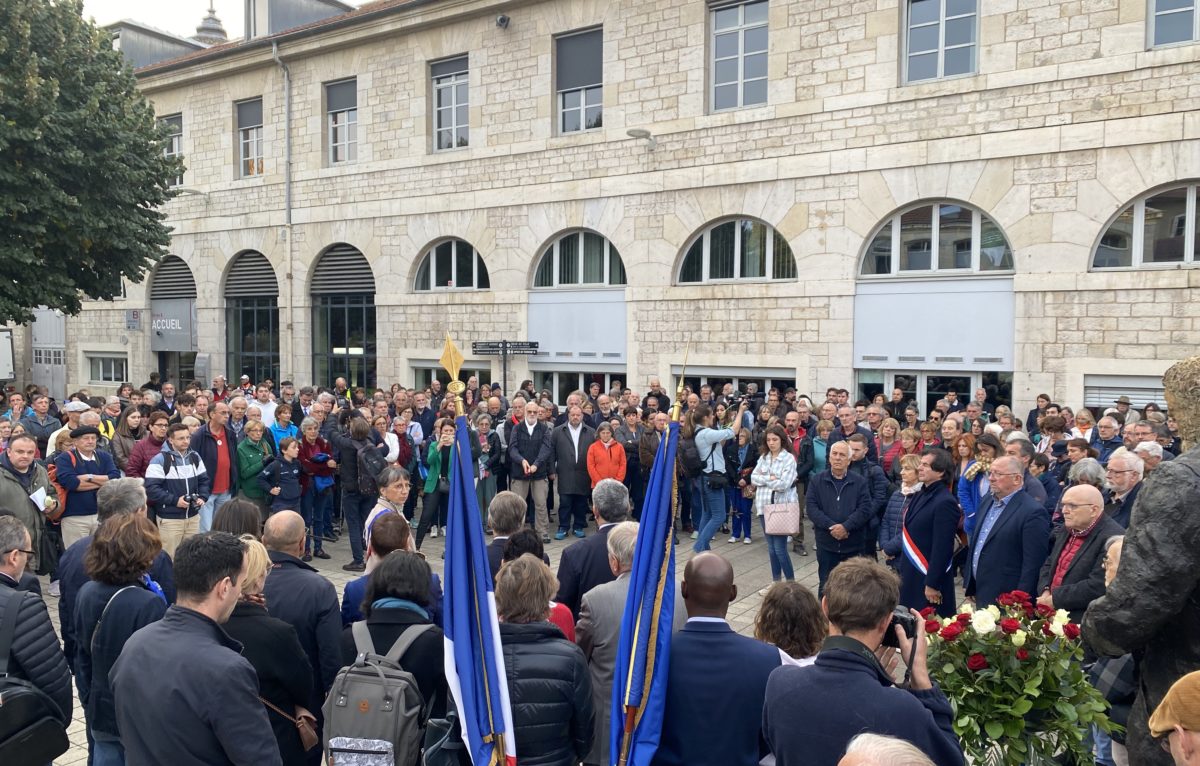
pixel 753 574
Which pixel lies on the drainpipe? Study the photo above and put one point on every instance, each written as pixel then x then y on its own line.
pixel 287 208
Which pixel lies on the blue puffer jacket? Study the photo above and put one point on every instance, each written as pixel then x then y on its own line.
pixel 893 521
pixel 285 474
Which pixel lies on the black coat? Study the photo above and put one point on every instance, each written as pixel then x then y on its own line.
pixel 551 694
pixel 852 509
pixel 1120 511
pixel 205 445
pixel 134 609
pixel 495 552
pixel 583 566
pixel 302 597
pixel 932 522
pixel 424 659
pixel 1083 582
pixel 35 655
pixel 284 675
pixel 204 711
pixel 533 447
pixel 572 471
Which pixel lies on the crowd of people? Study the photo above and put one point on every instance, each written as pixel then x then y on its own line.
pixel 177 524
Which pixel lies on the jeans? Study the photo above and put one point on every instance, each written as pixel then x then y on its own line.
pixel 355 508
pixel 777 552
pixel 314 507
pixel 573 513
pixel 743 508
pixel 210 508
pixel 108 752
pixel 826 561
pixel 712 504
pixel 1104 747
pixel 434 512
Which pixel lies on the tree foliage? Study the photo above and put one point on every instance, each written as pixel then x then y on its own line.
pixel 82 170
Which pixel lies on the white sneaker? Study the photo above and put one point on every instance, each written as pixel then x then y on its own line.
pixel 55 590
pixel 433 532
pixel 746 541
pixel 695 535
pixel 443 531
pixel 733 539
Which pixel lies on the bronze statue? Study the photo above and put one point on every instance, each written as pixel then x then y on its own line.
pixel 1152 608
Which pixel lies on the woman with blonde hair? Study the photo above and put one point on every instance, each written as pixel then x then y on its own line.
pixel 273 648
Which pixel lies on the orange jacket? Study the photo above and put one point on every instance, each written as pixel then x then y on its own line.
pixel 606 462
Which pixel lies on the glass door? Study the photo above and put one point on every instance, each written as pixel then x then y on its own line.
pixel 936 386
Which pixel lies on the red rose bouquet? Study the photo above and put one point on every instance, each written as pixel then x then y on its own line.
pixel 1014 675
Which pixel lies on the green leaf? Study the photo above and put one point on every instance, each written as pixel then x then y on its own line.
pixel 995 729
pixel 1022 706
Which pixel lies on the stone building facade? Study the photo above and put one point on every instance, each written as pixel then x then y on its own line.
pixel 1031 163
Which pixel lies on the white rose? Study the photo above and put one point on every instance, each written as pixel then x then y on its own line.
pixel 1056 628
pixel 995 610
pixel 983 622
pixel 946 621
pixel 1018 638
pixel 966 608
pixel 1061 617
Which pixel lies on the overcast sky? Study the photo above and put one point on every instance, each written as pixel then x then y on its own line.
pixel 178 17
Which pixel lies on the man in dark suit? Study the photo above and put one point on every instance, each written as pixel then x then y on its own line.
pixel 1010 540
pixel 714 669
pixel 1073 575
pixel 569 444
pixel 506 515
pixel 1125 480
pixel 529 462
pixel 584 565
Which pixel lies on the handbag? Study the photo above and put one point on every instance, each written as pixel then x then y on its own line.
pixel 443 485
pixel 748 491
pixel 781 518
pixel 306 725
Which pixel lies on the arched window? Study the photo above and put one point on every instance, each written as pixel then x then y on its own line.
pixel 580 258
pixel 452 265
pixel 172 280
pixel 343 295
pixel 1157 228
pixel 740 249
pixel 173 317
pixel 942 237
pixel 251 318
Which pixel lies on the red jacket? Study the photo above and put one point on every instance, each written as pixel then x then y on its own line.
pixel 140 456
pixel 606 462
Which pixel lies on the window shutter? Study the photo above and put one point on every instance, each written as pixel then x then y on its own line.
pixel 579 60
pixel 448 67
pixel 340 96
pixel 250 113
pixel 251 276
pixel 172 279
pixel 341 270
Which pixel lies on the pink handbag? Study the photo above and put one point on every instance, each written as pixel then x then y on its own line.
pixel 781 518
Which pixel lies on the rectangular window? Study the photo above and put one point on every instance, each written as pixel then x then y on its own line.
pixel 250 137
pixel 579 78
pixel 451 129
pixel 341 110
pixel 1174 21
pixel 174 145
pixel 107 369
pixel 941 39
pixel 739 55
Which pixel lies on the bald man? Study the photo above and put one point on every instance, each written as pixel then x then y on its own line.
pixel 717 679
pixel 1073 575
pixel 299 595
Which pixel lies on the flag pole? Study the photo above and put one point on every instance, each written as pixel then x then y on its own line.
pixel 631 711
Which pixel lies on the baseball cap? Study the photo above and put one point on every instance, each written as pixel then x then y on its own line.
pixel 1181 707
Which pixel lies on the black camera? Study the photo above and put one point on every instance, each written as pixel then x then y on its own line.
pixel 904 618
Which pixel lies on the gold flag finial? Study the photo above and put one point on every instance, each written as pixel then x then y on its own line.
pixel 677 407
pixel 452 362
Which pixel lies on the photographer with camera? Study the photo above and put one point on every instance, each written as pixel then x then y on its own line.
pixel 713 480
pixel 177 485
pixel 811 713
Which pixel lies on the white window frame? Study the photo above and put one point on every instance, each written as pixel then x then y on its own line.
pixel 941 46
pixel 586 102
pixel 427 259
pixel 741 30
pixel 344 145
pixel 426 372
pixel 935 243
pixel 557 376
pixel 1153 15
pixel 112 368
pixel 1137 244
pixel 552 252
pixel 706 236
pixel 450 82
pixel 250 147
pixel 174 147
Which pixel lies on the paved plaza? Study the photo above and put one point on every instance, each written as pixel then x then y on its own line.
pixel 749 562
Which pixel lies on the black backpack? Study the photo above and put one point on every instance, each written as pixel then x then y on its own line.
pixel 689 457
pixel 32 728
pixel 371 463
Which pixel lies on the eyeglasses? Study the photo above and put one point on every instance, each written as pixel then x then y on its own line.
pixel 1120 470
pixel 995 475
pixel 19 550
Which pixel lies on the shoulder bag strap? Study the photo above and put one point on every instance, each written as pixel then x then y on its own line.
pixel 100 620
pixel 407 639
pixel 8 628
pixel 362 638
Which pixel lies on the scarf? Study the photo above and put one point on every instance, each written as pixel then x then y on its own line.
pixel 258 599
pixel 399 603
pixel 907 490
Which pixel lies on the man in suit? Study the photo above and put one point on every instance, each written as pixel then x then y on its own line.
pixel 1023 450
pixel 1073 575
pixel 530 460
pixel 1124 475
pixel 584 565
pixel 569 444
pixel 714 672
pixel 1011 537
pixel 599 631
pixel 506 515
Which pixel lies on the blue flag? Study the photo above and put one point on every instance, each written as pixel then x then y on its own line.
pixel 643 654
pixel 473 657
